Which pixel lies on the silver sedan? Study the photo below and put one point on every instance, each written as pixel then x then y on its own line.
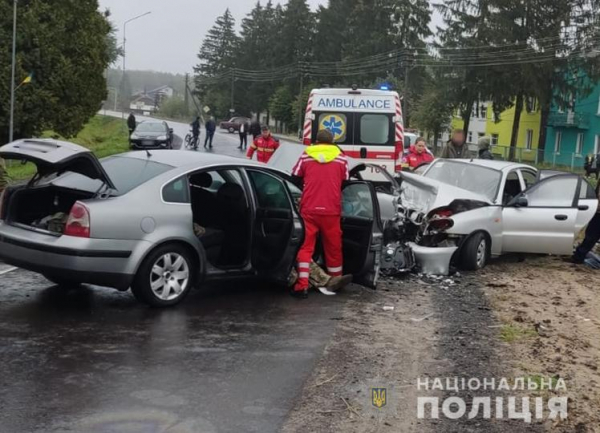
pixel 160 222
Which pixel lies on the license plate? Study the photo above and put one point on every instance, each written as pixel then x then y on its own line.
pixel 147 143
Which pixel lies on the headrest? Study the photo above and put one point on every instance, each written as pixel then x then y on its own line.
pixel 202 180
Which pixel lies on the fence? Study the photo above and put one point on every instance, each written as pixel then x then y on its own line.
pixel 544 158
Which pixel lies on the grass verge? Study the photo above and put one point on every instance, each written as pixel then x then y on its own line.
pixel 511 333
pixel 103 135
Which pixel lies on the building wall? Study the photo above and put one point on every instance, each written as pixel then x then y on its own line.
pixel 530 121
pixel 567 155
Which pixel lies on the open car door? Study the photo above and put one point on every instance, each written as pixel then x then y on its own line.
pixel 546 217
pixel 278 230
pixel 362 233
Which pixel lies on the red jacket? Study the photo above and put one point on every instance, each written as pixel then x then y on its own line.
pixel 323 168
pixel 264 148
pixel 415 159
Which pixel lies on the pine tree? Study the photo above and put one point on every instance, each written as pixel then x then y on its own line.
pixel 296 28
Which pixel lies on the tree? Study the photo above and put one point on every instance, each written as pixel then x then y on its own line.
pixel 295 33
pixel 433 110
pixel 280 105
pixel 64 43
pixel 217 58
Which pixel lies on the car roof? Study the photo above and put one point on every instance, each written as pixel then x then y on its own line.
pixel 345 91
pixel 494 164
pixel 186 158
pixel 162 122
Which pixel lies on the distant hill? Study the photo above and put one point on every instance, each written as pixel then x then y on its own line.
pixel 148 80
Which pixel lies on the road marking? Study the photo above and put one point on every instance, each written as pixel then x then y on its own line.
pixel 6 271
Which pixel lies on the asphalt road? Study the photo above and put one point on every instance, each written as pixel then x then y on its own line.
pixel 229 359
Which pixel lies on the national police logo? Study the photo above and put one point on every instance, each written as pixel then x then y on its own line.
pixel 336 124
pixel 379 397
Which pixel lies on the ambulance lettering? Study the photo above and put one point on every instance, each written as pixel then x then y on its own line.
pixel 362 104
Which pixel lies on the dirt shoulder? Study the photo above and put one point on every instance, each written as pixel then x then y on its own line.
pixel 437 329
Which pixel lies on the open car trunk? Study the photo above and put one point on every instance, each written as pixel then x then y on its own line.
pixel 42 208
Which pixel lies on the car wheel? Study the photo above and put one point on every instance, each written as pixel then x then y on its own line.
pixel 61 282
pixel 475 253
pixel 231 129
pixel 165 277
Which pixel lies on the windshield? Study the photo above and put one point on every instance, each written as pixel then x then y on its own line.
pixel 473 178
pixel 150 127
pixel 125 173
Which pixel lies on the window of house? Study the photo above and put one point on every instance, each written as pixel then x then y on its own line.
pixel 529 139
pixel 495 138
pixel 557 141
pixel 579 145
pixel 470 137
pixel 530 105
pixel 598 104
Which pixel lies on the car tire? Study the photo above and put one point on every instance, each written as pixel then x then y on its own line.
pixel 62 282
pixel 165 277
pixel 475 252
pixel 231 129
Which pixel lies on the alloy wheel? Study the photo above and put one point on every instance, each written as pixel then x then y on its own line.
pixel 170 276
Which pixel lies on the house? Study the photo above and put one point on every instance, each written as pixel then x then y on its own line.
pixel 484 122
pixel 574 132
pixel 148 101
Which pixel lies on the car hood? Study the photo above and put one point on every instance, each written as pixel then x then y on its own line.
pixel 422 194
pixel 54 156
pixel 149 134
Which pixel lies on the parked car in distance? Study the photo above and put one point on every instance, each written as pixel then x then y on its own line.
pixel 483 208
pixel 163 223
pixel 233 125
pixel 151 134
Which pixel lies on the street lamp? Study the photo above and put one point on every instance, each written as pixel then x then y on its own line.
pixel 125 40
pixel 12 76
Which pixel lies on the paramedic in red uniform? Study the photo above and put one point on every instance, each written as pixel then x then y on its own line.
pixel 264 146
pixel 323 168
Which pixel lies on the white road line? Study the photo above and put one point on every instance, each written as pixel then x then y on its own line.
pixel 6 271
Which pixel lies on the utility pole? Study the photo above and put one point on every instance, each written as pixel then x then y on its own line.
pixel 300 100
pixel 12 76
pixel 185 96
pixel 232 110
pixel 405 108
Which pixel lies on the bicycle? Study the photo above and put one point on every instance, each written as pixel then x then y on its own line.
pixel 191 141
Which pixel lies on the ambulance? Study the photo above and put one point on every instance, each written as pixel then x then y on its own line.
pixel 366 124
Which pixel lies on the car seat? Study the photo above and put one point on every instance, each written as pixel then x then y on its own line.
pixel 233 219
pixel 204 204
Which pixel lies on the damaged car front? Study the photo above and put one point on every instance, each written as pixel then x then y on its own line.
pixel 449 216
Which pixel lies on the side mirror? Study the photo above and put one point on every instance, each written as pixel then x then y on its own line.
pixel 520 201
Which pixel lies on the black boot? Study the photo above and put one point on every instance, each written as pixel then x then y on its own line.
pixel 300 294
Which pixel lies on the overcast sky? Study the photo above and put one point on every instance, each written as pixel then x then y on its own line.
pixel 169 38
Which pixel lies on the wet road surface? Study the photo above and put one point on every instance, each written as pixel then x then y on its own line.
pixel 228 359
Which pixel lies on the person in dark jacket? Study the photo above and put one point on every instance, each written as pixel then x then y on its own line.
pixel 131 123
pixel 455 148
pixel 592 235
pixel 255 129
pixel 484 148
pixel 196 131
pixel 243 136
pixel 210 126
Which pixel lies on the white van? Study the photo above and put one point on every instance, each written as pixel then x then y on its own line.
pixel 366 124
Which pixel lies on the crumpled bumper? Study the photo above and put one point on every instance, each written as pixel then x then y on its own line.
pixel 433 260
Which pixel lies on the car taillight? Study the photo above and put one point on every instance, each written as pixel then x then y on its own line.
pixel 398 154
pixel 3 207
pixel 440 219
pixel 443 213
pixel 78 222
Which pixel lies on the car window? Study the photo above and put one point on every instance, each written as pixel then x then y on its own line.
pixel 474 178
pixel 125 173
pixel 176 191
pixel 150 127
pixel 512 187
pixel 270 191
pixel 357 201
pixel 529 177
pixel 374 129
pixel 586 192
pixel 557 191
pixel 295 192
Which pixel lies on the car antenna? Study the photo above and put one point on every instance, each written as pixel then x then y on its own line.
pixel 148 154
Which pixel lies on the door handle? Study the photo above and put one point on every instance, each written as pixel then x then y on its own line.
pixel 561 217
pixel 363 152
pixel 583 207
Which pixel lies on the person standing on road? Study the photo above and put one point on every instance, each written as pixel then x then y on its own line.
pixel 418 154
pixel 592 235
pixel 484 148
pixel 196 131
pixel 323 168
pixel 243 136
pixel 131 123
pixel 264 146
pixel 255 128
pixel 210 127
pixel 455 147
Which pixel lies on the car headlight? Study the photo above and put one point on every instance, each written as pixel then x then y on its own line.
pixel 162 137
pixel 135 136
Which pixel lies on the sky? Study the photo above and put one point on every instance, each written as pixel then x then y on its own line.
pixel 168 39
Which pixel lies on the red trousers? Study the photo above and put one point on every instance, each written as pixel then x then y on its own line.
pixel 329 227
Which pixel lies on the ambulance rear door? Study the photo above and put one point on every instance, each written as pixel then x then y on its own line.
pixel 374 142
